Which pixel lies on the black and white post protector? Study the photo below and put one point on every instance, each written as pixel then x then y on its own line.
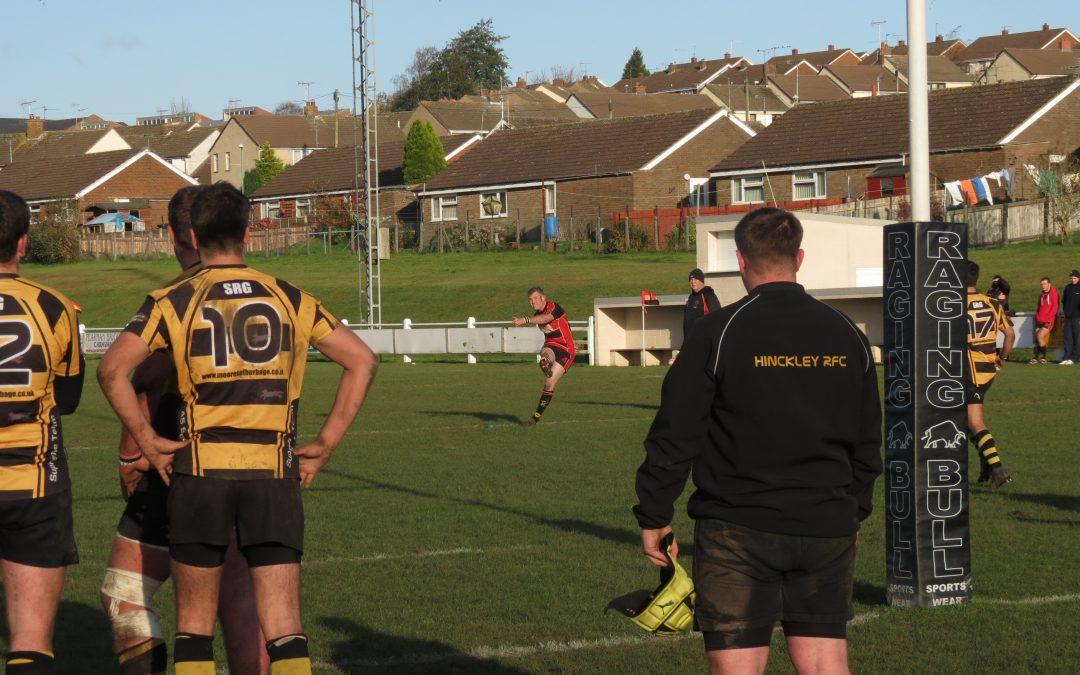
pixel 928 554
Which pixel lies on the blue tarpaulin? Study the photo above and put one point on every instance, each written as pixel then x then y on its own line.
pixel 116 222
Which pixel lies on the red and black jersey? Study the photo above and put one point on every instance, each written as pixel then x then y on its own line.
pixel 557 332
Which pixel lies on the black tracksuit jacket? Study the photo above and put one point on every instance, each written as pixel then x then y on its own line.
pixel 773 404
pixel 1070 301
pixel 698 305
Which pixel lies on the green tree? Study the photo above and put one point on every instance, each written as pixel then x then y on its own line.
pixel 54 237
pixel 424 153
pixel 268 167
pixel 635 66
pixel 472 61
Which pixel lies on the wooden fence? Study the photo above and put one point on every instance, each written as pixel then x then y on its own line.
pixel 156 243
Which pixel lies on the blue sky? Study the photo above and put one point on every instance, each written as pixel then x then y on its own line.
pixel 122 58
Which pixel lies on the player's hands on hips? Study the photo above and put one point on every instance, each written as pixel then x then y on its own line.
pixel 999 362
pixel 519 321
pixel 131 472
pixel 650 545
pixel 313 457
pixel 161 452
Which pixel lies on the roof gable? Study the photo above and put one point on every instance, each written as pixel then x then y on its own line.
pixel 988 46
pixel 51 178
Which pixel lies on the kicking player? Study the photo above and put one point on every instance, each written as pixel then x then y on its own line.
pixel 238 339
pixel 41 379
pixel 557 354
pixel 985 317
pixel 139 560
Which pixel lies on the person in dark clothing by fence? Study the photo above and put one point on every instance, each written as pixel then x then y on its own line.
pixel 1070 307
pixel 701 301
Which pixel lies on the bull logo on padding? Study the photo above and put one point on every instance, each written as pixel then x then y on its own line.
pixel 944 435
pixel 899 436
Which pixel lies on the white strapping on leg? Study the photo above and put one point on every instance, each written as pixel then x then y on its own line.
pixel 136 589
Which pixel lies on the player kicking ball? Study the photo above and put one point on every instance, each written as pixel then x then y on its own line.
pixel 557 354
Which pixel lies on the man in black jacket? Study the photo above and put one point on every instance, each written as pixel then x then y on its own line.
pixel 773 404
pixel 701 301
pixel 1070 307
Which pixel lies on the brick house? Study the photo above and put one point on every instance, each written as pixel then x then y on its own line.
pixel 586 170
pixel 856 148
pixel 138 183
pixel 981 53
pixel 681 78
pixel 798 89
pixel 860 81
pixel 809 63
pixel 323 181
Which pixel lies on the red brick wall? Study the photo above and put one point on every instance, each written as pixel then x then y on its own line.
pixel 145 179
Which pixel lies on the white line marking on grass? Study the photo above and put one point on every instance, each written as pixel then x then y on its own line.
pixel 496 425
pixel 610 642
pixel 419 555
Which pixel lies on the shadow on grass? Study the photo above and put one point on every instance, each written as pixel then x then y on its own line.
pixel 612 404
pixel 604 532
pixel 368 651
pixel 82 639
pixel 1063 502
pixel 482 416
pixel 868 594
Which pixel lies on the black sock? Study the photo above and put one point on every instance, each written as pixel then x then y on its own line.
pixel 987 447
pixel 194 654
pixel 289 655
pixel 29 663
pixel 145 658
pixel 545 399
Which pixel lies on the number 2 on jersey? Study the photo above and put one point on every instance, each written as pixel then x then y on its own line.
pixel 18 338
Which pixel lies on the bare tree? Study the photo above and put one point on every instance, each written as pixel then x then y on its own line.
pixel 180 105
pixel 1062 189
pixel 564 74
pixel 288 108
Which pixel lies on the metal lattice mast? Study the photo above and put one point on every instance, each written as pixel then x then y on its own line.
pixel 365 207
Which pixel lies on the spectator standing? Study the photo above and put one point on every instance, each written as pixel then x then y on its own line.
pixel 999 290
pixel 701 301
pixel 1070 307
pixel 1046 312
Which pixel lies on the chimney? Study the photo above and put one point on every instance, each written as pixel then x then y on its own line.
pixel 832 48
pixel 520 84
pixel 727 55
pixel 939 38
pixel 639 88
pixel 670 68
pixel 901 43
pixel 1046 26
pixel 794 52
pixel 1004 31
pixel 559 82
pixel 35 127
pixel 310 109
pixel 885 49
pixel 693 59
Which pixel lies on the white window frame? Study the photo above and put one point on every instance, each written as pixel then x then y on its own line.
pixel 271 209
pixel 816 180
pixel 305 206
pixel 699 189
pixel 214 163
pixel 228 161
pixel 740 185
pixel 498 194
pixel 551 198
pixel 439 204
pixel 300 153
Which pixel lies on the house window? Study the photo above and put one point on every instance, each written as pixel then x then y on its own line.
pixel 271 209
pixel 213 163
pixel 444 208
pixel 300 153
pixel 549 198
pixel 304 207
pixel 493 204
pixel 747 189
pixel 810 185
pixel 228 161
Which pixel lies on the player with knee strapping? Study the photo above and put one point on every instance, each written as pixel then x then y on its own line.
pixel 238 339
pixel 557 354
pixel 41 376
pixel 139 561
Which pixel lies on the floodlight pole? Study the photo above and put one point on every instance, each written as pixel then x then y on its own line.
pixel 918 125
pixel 366 227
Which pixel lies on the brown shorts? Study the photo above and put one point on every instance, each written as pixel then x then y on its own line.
pixel 746 580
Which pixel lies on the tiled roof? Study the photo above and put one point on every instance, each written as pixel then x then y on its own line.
pixel 603 104
pixel 299 131
pixel 934 48
pixel 735 95
pixel 784 62
pixel 600 147
pixel 938 68
pixel 331 170
pixel 866 78
pixel 173 140
pixel 1047 61
pixel 872 128
pixel 465 116
pixel 987 47
pixel 808 88
pixel 678 76
pixel 53 177
pixel 55 144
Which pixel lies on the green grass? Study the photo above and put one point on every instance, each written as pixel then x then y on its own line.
pixel 489 286
pixel 445 534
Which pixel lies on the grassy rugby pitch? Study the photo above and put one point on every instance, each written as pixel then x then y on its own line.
pixel 443 537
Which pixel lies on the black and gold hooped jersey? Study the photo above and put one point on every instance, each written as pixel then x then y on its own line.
pixel 239 341
pixel 985 318
pixel 41 374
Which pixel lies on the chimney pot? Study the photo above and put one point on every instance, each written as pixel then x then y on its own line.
pixel 310 109
pixel 693 59
pixel 832 48
pixel 1004 31
pixel 1046 26
pixel 939 38
pixel 639 88
pixel 671 67
pixel 901 43
pixel 727 55
pixel 794 51
pixel 520 84
pixel 35 127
